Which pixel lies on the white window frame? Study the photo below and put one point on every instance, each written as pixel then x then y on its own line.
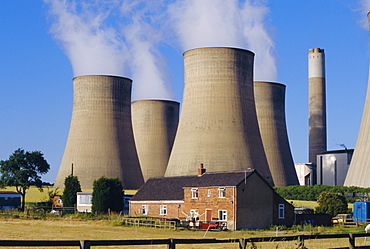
pixel 281 211
pixel 222 215
pixel 222 192
pixel 209 193
pixel 194 193
pixel 163 210
pixel 144 209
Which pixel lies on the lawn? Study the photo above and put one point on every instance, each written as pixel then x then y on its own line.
pixel 71 229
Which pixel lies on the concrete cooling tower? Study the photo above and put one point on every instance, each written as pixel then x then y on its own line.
pixel 359 169
pixel 270 107
pixel 218 123
pixel 154 124
pixel 100 140
pixel 316 103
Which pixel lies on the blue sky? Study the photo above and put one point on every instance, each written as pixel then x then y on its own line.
pixel 36 71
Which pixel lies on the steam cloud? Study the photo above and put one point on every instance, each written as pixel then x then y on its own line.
pixel 364 8
pixel 125 37
pixel 226 23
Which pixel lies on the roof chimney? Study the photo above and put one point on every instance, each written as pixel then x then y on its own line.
pixel 201 170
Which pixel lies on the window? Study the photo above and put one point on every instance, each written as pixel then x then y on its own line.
pixel 163 210
pixel 281 211
pixel 84 199
pixel 222 214
pixel 194 193
pixel 221 192
pixel 144 209
pixel 209 193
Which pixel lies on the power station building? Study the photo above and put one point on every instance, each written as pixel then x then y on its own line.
pixel 100 140
pixel 154 124
pixel 332 167
pixel 359 170
pixel 270 107
pixel 218 124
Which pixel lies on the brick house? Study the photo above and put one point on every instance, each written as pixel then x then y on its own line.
pixel 237 199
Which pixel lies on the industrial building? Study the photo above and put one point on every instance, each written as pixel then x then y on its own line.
pixel 100 140
pixel 332 167
pixel 218 124
pixel 359 169
pixel 270 106
pixel 154 124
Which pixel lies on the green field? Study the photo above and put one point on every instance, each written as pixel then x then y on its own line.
pixel 34 195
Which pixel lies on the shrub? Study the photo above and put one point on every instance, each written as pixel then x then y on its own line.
pixel 332 203
pixel 71 187
pixel 107 195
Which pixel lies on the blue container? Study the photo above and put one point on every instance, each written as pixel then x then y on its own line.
pixel 361 210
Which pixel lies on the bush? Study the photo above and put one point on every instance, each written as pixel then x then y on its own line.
pixel 107 195
pixel 332 203
pixel 71 187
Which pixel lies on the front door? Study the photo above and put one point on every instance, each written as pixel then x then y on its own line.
pixel 208 215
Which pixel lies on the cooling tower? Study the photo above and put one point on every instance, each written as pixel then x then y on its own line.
pixel 270 107
pixel 218 123
pixel 154 123
pixel 100 140
pixel 359 169
pixel 316 103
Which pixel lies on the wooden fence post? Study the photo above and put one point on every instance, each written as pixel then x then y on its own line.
pixel 172 244
pixel 84 244
pixel 242 243
pixel 351 239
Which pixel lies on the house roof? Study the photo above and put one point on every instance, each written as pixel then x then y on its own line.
pixel 171 188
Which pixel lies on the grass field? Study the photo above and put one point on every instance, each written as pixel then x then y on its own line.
pixel 69 229
pixel 34 195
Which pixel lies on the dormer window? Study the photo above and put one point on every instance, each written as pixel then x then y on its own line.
pixel 194 193
pixel 221 192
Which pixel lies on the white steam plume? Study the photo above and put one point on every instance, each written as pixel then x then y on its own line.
pixel 364 8
pixel 204 23
pixel 103 37
pixel 91 46
pixel 124 37
pixel 143 38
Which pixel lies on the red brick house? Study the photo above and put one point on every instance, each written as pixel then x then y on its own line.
pixel 237 199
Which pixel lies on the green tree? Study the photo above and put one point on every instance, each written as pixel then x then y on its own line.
pixel 332 203
pixel 71 187
pixel 22 170
pixel 107 195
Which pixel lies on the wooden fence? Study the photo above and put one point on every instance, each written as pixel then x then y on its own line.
pixel 150 223
pixel 171 243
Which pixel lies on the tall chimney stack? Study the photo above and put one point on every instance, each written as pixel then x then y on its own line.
pixel 100 140
pixel 316 105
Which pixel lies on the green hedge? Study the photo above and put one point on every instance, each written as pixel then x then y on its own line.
pixel 311 193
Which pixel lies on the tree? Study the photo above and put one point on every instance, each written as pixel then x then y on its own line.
pixel 332 203
pixel 107 195
pixel 71 187
pixel 22 170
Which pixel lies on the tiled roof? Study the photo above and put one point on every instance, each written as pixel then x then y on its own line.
pixel 171 188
